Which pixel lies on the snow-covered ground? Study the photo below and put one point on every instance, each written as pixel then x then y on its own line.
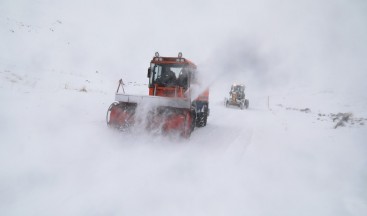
pixel 58 157
pixel 282 156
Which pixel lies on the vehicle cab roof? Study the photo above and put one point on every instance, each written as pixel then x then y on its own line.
pixel 172 60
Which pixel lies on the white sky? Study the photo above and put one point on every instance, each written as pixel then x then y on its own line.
pixel 289 43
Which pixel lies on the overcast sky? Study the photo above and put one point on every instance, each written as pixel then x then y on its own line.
pixel 265 43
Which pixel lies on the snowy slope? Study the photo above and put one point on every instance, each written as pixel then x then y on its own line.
pixel 58 157
pixel 282 156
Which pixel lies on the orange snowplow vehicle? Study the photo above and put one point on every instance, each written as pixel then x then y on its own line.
pixel 172 106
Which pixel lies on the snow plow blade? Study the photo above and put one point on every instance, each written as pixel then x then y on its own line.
pixel 166 115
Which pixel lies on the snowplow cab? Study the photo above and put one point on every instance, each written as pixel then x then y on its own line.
pixel 237 96
pixel 170 76
pixel 237 91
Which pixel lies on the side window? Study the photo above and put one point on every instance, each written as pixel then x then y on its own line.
pixel 193 74
pixel 183 77
pixel 157 72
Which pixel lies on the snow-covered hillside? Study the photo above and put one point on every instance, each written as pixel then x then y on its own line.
pixel 290 153
pixel 58 157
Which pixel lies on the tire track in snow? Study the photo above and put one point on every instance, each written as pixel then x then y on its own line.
pixel 228 130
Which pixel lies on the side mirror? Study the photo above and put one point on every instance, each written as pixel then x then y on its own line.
pixel 149 72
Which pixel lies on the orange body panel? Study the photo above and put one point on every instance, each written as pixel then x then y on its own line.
pixel 204 96
pixel 171 60
pixel 167 91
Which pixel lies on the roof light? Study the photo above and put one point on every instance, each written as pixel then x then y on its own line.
pixel 156 54
pixel 180 54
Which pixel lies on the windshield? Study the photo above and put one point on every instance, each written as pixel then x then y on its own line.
pixel 169 75
pixel 238 88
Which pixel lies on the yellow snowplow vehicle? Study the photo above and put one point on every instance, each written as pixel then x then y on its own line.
pixel 237 97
